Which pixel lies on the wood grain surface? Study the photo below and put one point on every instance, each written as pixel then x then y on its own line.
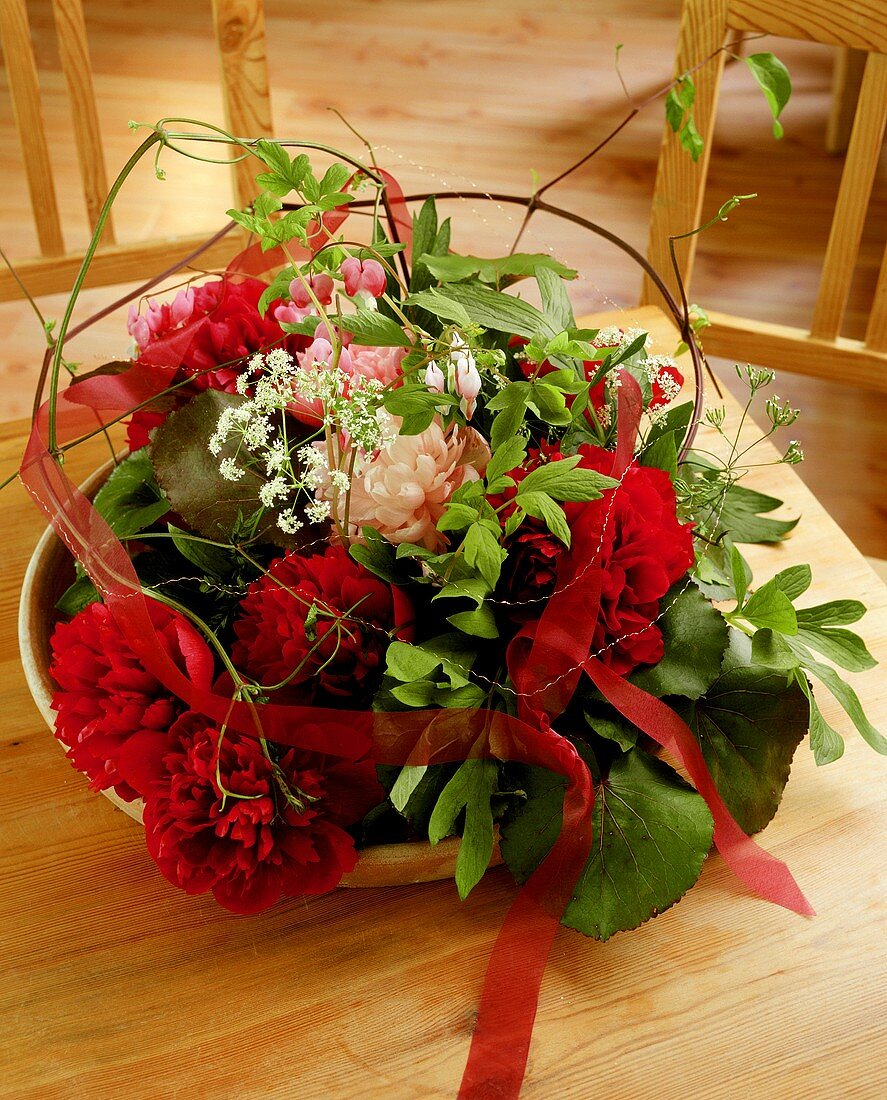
pixel 116 984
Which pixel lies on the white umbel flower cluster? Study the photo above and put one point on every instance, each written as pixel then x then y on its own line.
pixel 343 406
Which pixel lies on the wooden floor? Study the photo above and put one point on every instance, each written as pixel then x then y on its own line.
pixel 456 93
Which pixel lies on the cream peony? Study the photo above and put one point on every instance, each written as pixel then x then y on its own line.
pixel 403 489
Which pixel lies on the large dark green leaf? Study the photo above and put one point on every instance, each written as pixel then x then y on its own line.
pixel 749 724
pixel 695 637
pixel 189 473
pixel 651 835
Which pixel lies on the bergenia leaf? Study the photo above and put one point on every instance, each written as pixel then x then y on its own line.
pixel 652 832
pixel 749 724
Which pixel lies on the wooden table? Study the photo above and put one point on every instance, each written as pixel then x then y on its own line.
pixel 117 985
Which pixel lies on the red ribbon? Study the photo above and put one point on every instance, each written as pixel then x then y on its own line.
pixel 545 662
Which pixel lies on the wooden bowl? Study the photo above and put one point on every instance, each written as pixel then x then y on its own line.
pixel 49 573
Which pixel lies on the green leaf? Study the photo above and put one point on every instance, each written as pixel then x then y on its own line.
pixel 491 309
pixel 652 832
pixel 742 516
pixel 480 623
pixel 825 741
pixel 770 607
pixel 405 785
pixel 775 82
pixel 833 613
pixel 549 404
pixel 483 553
pixel 213 561
pixel 541 506
pixel 794 581
pixel 843 647
pixel 131 500
pixel 555 301
pixel 771 649
pixel 849 700
pixel 373 329
pixel 674 112
pixel 378 556
pixel 407 662
pixel 499 271
pixel 695 637
pixel 749 724
pixel 563 481
pixel 507 457
pixel 441 305
pixel 76 596
pixel 471 789
pixel 663 454
pixel 691 139
pixel 416 405
pixel 740 581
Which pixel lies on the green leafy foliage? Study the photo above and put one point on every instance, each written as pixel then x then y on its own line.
pixel 373 329
pixel 416 405
pixel 555 302
pixel 497 272
pixel 491 309
pixel 679 115
pixel 749 724
pixel 652 832
pixel 131 500
pixel 695 637
pixel 742 513
pixel 775 82
pixel 470 790
pixel 433 673
pixel 76 596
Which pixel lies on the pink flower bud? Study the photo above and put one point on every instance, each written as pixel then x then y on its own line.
pixel 434 378
pixel 154 316
pixel 367 275
pixel 182 306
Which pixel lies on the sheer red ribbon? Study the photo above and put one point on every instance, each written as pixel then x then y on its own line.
pixel 545 662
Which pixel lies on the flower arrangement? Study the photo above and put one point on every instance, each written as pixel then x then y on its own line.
pixel 396 553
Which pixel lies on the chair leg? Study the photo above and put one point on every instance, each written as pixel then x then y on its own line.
pixel 846 82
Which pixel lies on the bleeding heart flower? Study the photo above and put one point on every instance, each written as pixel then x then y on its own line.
pixel 363 275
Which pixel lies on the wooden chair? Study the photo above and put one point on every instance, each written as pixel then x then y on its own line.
pixel 680 185
pixel 240 35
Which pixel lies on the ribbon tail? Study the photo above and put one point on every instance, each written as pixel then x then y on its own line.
pixel 759 870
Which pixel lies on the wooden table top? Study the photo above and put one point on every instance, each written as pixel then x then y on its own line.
pixel 116 984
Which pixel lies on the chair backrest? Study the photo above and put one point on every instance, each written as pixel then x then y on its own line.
pixel 680 184
pixel 240 35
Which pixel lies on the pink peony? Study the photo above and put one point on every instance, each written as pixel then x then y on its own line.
pixel 383 364
pixel 403 489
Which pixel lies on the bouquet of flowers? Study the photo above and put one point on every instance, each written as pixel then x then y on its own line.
pixel 402 550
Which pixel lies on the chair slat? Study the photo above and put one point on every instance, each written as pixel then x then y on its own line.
pixel 680 184
pixel 74 54
pixel 876 333
pixel 853 199
pixel 859 24
pixel 784 348
pixel 24 86
pixel 240 32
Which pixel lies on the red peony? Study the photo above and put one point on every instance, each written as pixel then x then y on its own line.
pixel 325 616
pixel 105 695
pixel 207 333
pixel 277 832
pixel 644 550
